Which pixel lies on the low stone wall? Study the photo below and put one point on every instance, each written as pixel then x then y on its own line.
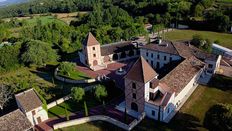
pixel 59 101
pixel 99 118
pixel 72 81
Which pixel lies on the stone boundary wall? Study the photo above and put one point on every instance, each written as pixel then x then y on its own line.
pixel 72 81
pixel 65 98
pixel 99 118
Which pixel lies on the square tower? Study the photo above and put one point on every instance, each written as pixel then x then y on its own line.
pixel 137 83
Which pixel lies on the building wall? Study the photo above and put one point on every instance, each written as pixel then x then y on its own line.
pixel 91 52
pixel 164 111
pixel 39 112
pixel 215 65
pixel 181 96
pixel 139 91
pixel 152 57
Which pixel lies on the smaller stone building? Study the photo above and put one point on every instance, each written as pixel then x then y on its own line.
pixel 15 121
pixel 31 105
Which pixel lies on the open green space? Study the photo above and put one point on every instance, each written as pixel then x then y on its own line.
pixel 44 20
pixel 76 75
pixel 92 126
pixel 191 115
pixel 89 98
pixel 73 106
pixel 225 39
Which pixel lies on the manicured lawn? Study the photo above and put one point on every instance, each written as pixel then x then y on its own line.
pixel 73 106
pixel 224 38
pixel 92 126
pixel 90 99
pixel 76 75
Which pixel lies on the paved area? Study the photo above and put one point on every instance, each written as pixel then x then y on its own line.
pixel 110 71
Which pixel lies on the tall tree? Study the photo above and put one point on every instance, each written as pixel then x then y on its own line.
pixel 38 53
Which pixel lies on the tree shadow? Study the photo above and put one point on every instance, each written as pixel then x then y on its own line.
pixel 184 121
pixel 221 82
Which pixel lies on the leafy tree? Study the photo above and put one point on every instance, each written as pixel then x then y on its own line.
pixel 66 68
pixel 38 53
pixel 100 92
pixel 9 57
pixel 219 117
pixel 77 93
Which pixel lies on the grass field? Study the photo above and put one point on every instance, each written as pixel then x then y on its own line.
pixel 191 115
pixel 76 75
pixel 73 106
pixel 224 38
pixel 44 19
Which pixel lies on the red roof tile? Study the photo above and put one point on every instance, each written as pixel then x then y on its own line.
pixel 90 40
pixel 141 71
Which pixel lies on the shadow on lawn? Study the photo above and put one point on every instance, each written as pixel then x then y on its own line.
pixel 183 122
pixel 221 82
pixel 54 114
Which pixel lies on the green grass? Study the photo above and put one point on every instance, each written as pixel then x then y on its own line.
pixel 224 38
pixel 92 126
pixel 44 19
pixel 76 75
pixel 73 106
pixel 90 99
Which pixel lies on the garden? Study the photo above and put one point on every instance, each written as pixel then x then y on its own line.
pixel 68 70
pixel 82 101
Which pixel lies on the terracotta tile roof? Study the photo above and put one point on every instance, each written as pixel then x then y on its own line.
pixel 154 83
pixel 90 40
pixel 165 46
pixel 14 121
pixel 187 51
pixel 116 48
pixel 179 77
pixel 141 71
pixel 29 100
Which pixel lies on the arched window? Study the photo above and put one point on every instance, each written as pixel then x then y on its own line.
pixel 134 106
pixel 115 56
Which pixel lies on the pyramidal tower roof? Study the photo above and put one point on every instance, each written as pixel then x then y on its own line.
pixel 141 71
pixel 90 40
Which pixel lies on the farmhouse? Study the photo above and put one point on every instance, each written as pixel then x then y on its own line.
pixel 30 104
